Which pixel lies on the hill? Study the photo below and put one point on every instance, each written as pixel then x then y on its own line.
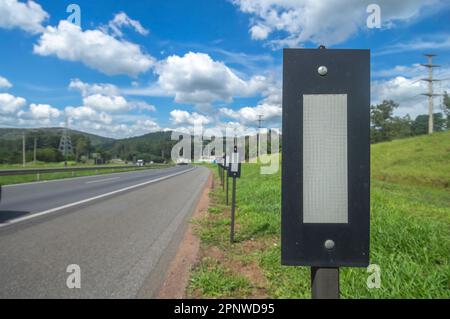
pixel 151 147
pixel 422 160
pixel 11 134
pixel 155 147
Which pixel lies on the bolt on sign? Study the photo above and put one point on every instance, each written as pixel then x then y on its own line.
pixel 326 158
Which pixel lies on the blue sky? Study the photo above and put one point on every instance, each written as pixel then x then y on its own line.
pixel 134 67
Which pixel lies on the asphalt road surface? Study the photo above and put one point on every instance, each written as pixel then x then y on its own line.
pixel 120 229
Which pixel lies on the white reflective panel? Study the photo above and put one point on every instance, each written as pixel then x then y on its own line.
pixel 325 186
pixel 235 162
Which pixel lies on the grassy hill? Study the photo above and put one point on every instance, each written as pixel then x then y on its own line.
pixel 410 231
pixel 422 160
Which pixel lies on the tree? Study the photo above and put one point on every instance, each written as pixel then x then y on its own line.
pixel 420 124
pixel 386 126
pixel 401 127
pixel 82 146
pixel 446 108
pixel 49 155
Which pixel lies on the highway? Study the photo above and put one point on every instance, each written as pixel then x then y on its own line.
pixel 120 229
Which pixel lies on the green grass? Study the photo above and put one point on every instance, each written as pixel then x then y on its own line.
pixel 410 229
pixel 423 160
pixel 19 179
pixel 211 280
pixel 40 165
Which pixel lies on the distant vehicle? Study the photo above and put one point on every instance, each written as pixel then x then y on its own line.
pixel 140 163
pixel 183 161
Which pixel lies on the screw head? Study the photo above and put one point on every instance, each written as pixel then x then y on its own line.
pixel 323 70
pixel 329 244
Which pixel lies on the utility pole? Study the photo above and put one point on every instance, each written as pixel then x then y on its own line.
pixel 24 160
pixel 34 153
pixel 430 92
pixel 260 120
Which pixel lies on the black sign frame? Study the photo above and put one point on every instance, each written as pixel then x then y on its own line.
pixel 230 172
pixel 348 73
pixel 234 174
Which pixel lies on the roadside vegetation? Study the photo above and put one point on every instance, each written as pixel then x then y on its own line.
pixel 18 179
pixel 410 231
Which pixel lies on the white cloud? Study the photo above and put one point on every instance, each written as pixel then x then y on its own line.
pixel 105 96
pixel 84 113
pixel 118 130
pixel 435 42
pixel 320 21
pixel 35 115
pixel 10 104
pixel 179 117
pixel 259 32
pixel 43 112
pixel 406 91
pixel 87 89
pixel 403 91
pixel 4 83
pixel 249 115
pixel 27 16
pixel 94 48
pixel 414 70
pixel 143 106
pixel 106 103
pixel 105 112
pixel 116 125
pixel 38 115
pixel 273 95
pixel 196 78
pixel 123 20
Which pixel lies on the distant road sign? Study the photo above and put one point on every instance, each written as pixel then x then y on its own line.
pixel 234 167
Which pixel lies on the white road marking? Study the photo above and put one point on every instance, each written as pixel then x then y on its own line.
pixel 18 220
pixel 75 178
pixel 103 180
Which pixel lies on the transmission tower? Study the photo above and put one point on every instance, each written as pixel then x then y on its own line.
pixel 430 92
pixel 65 144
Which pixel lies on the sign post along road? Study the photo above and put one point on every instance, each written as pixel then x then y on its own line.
pixel 326 163
pixel 224 166
pixel 234 171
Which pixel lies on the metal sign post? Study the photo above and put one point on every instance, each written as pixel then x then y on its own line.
pixel 226 188
pixel 224 165
pixel 325 283
pixel 234 171
pixel 326 163
pixel 220 169
pixel 220 173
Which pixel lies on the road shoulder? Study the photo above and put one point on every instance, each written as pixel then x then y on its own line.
pixel 177 277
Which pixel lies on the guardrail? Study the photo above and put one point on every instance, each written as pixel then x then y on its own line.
pixel 38 171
